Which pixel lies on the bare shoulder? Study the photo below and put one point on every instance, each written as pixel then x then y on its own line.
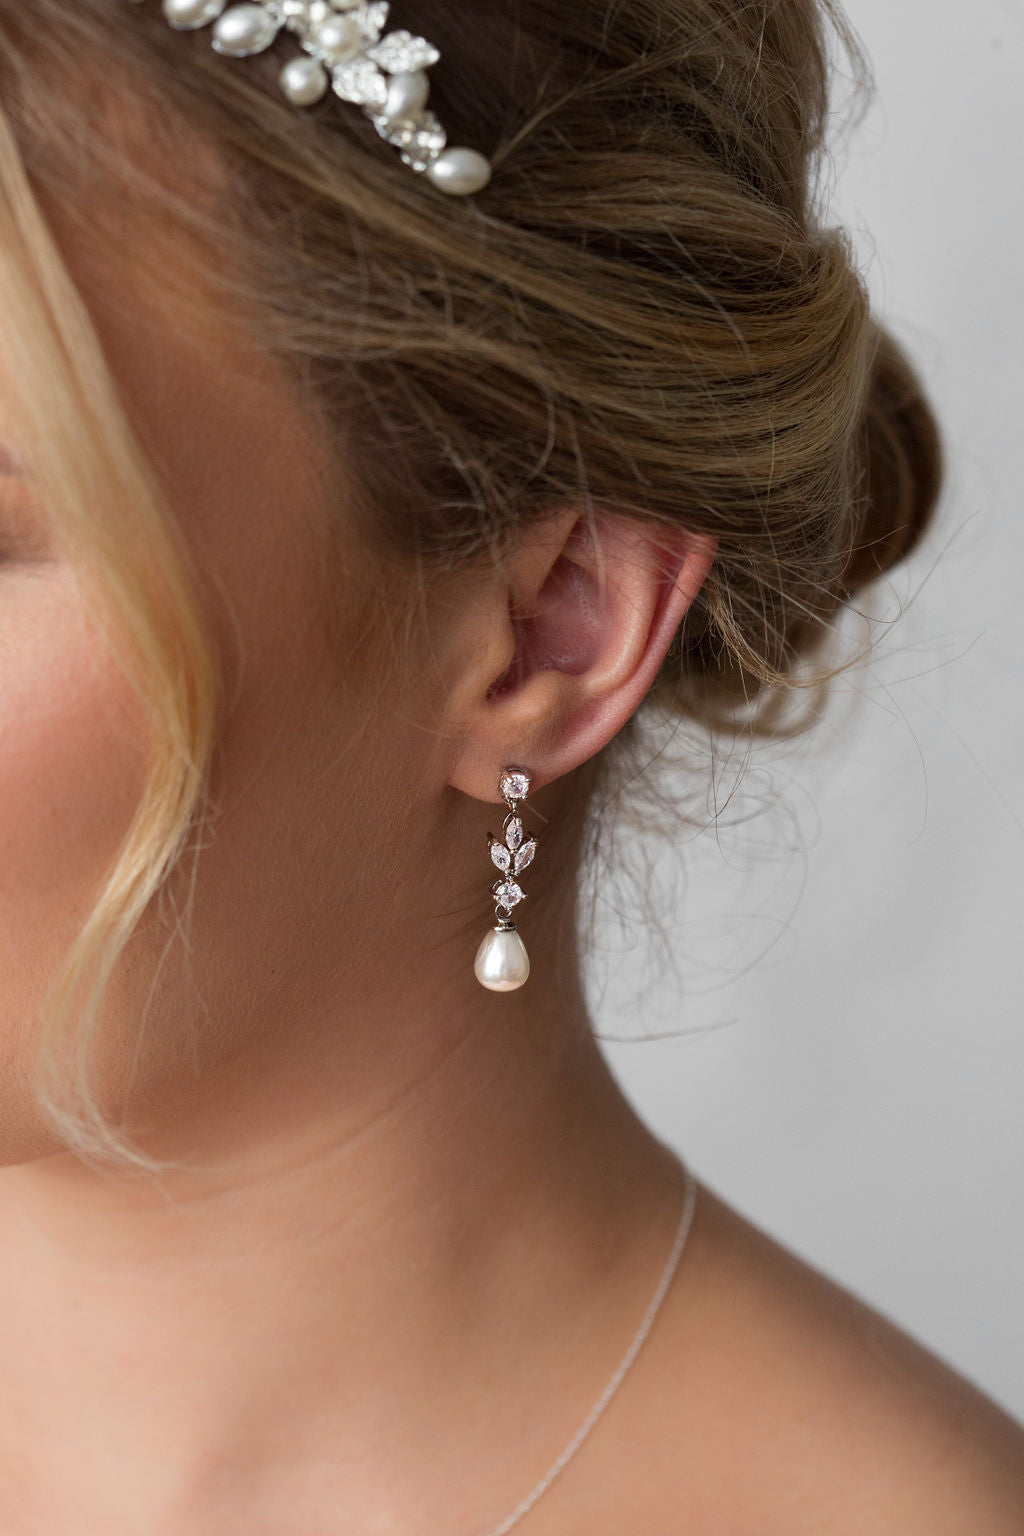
pixel 805 1411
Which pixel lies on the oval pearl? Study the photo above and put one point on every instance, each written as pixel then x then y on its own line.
pixel 243 30
pixel 407 94
pixel 502 963
pixel 304 80
pixel 339 37
pixel 460 171
pixel 185 15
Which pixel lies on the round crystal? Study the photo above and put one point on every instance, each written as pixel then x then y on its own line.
pixel 514 785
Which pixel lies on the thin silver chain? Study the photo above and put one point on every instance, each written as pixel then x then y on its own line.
pixel 682 1233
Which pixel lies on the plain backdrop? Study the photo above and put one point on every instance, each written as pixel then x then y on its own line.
pixel 833 1032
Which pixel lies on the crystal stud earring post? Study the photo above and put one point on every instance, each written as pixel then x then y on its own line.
pixel 502 963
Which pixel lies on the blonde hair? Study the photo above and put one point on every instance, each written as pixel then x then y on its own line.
pixel 643 312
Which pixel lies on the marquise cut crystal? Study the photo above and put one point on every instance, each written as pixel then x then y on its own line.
pixel 514 833
pixel 524 856
pixel 501 856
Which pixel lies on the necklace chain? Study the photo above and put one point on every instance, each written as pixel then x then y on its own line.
pixel 682 1233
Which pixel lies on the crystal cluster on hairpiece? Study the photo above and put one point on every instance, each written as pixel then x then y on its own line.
pixel 347 50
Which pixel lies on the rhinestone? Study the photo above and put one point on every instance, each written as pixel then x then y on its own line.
pixel 500 855
pixel 509 894
pixel 295 15
pixel 373 19
pixel 524 856
pixel 360 81
pixel 418 142
pixel 401 52
pixel 514 833
pixel 514 786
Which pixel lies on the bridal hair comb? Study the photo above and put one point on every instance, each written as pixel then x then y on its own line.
pixel 346 49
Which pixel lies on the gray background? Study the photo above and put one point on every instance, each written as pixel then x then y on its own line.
pixel 843 983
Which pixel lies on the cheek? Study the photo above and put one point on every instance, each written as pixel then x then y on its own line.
pixel 71 770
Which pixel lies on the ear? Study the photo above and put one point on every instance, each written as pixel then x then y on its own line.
pixel 565 642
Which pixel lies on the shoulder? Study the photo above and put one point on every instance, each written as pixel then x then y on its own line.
pixel 813 1411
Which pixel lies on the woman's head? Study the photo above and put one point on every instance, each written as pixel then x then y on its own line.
pixel 295 422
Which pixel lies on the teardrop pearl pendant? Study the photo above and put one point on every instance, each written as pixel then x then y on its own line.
pixel 502 963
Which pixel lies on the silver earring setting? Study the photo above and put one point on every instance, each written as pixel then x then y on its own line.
pixel 502 963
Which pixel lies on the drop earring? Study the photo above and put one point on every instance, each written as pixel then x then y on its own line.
pixel 502 963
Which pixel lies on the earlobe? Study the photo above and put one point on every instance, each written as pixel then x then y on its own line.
pixel 585 641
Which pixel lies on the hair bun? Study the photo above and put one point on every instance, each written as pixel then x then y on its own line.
pixel 903 465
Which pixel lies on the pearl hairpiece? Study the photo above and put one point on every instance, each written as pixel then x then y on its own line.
pixel 346 48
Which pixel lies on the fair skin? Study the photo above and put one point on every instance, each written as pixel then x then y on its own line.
pixel 426 1223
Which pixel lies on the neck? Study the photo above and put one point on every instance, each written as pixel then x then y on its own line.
pixel 380 1246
